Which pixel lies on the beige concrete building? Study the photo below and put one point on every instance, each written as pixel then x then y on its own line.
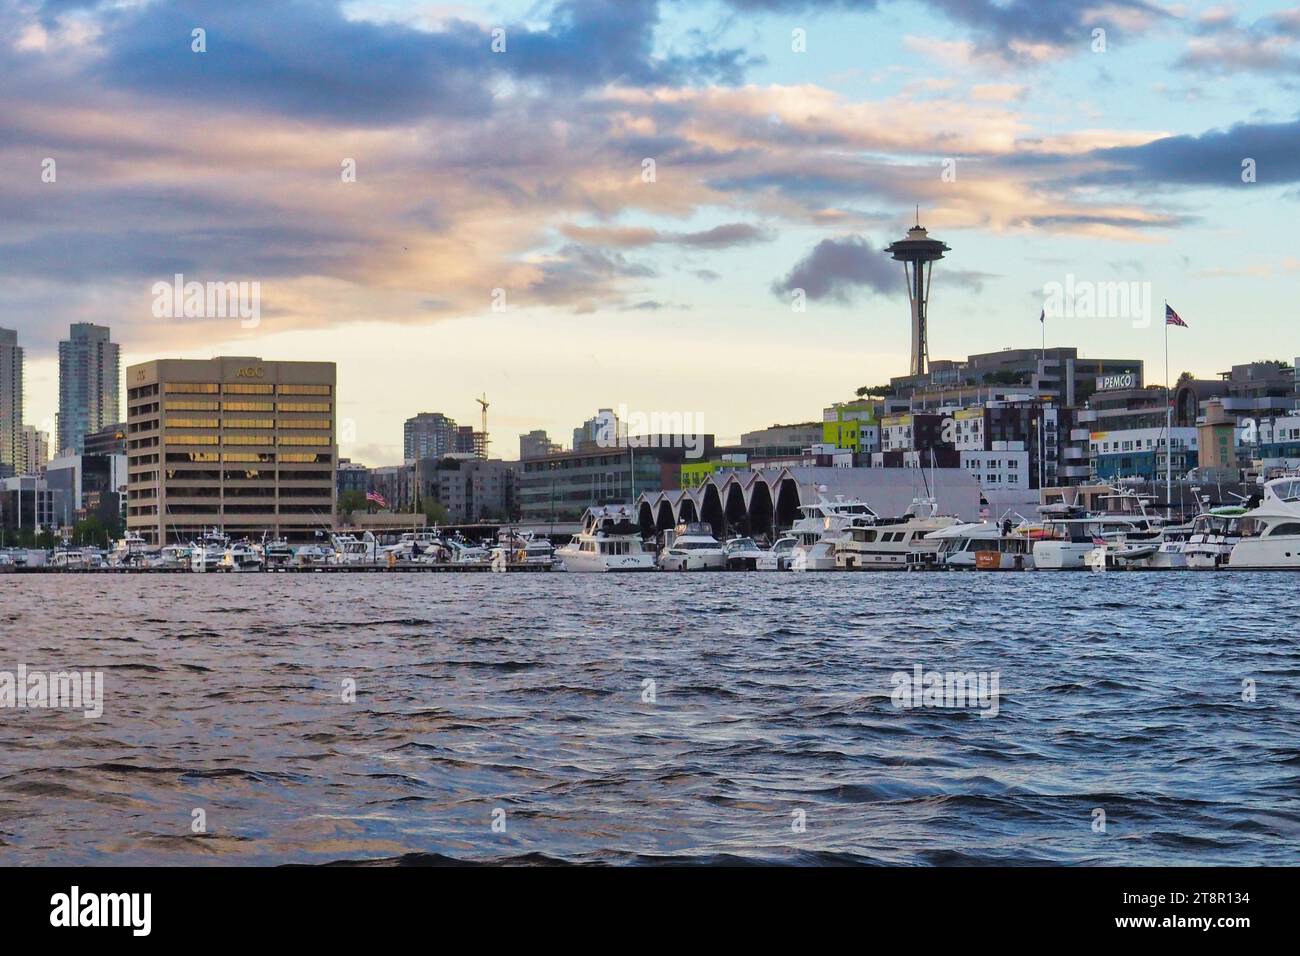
pixel 236 443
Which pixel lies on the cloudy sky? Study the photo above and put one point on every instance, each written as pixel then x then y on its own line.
pixel 790 140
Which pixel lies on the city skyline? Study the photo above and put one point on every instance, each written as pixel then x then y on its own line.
pixel 779 163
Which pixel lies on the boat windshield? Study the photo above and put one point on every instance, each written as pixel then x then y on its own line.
pixel 1288 490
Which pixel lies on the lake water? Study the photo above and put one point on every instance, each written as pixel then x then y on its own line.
pixel 771 731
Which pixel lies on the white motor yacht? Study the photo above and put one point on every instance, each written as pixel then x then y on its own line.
pixel 779 557
pixel 983 545
pixel 1271 532
pixel 241 556
pixel 819 530
pixel 77 559
pixel 609 540
pixel 277 554
pixel 1213 537
pixel 743 554
pixel 172 556
pixel 209 552
pixel 1063 542
pixel 693 548
pixel 130 551
pixel 414 545
pixel 894 544
pixel 349 549
pixel 313 555
pixel 523 547
pixel 461 551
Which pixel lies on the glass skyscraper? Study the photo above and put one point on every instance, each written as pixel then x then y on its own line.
pixel 90 381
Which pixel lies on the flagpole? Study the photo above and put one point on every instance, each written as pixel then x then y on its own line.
pixel 1169 423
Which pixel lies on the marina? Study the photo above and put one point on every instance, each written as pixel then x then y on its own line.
pixel 1116 530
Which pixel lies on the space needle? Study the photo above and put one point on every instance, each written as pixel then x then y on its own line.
pixel 918 253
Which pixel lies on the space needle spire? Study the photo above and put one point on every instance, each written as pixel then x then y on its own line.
pixel 918 253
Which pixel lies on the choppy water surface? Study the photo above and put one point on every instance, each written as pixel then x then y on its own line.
pixel 524 693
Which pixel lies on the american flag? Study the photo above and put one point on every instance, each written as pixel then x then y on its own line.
pixel 377 498
pixel 1172 317
pixel 1099 541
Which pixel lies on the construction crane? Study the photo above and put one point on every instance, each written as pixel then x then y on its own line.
pixel 482 400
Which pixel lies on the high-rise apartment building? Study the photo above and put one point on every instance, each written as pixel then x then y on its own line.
pixel 36 451
pixel 90 382
pixel 239 444
pixel 535 444
pixel 430 435
pixel 11 400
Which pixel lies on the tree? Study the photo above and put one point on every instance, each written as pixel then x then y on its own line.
pixel 90 531
pixel 350 501
pixel 883 391
pixel 434 510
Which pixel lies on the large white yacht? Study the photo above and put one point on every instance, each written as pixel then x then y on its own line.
pixel 610 540
pixel 241 556
pixel 983 545
pixel 693 548
pixel 821 527
pixel 1271 532
pixel 1063 541
pixel 131 551
pixel 208 553
pixel 1213 536
pixel 414 544
pixel 523 547
pixel 349 549
pixel 894 543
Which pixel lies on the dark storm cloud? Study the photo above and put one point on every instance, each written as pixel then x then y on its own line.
pixel 304 58
pixel 836 269
pixel 1213 158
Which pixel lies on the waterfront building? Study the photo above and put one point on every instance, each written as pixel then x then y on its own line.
pixel 1219 438
pixel 537 443
pixel 395 484
pixel 469 489
pixel 35 451
pixel 110 440
pixel 88 485
pixel 90 383
pixel 351 476
pixel 1279 442
pixel 603 428
pixel 1059 375
pixel 1140 452
pixel 921 439
pixel 12 452
pixel 854 426
pixel 766 501
pixel 783 439
pixel 559 487
pixel 431 435
pixel 28 503
pixel 237 443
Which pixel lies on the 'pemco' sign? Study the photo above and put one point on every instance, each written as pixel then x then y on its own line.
pixel 1106 383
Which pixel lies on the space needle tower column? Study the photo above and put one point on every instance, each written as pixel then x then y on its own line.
pixel 917 253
